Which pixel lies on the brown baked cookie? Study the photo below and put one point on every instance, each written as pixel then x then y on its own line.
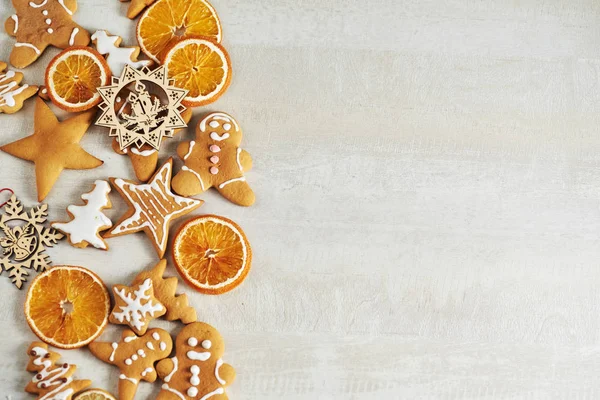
pixel 40 23
pixel 215 159
pixel 12 93
pixel 197 370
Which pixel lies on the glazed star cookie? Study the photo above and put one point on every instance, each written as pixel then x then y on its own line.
pixel 40 23
pixel 51 381
pixel 197 370
pixel 135 357
pixel 12 94
pixel 88 220
pixel 117 57
pixel 215 159
pixel 164 289
pixel 136 306
pixel 152 207
pixel 54 146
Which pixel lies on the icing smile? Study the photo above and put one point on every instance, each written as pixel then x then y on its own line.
pixel 194 355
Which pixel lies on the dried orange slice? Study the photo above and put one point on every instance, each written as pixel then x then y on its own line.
pixel 200 66
pixel 94 394
pixel 212 254
pixel 67 307
pixel 168 21
pixel 73 77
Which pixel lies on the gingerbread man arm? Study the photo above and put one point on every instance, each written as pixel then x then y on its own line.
pixel 183 149
pixel 11 25
pixel 71 5
pixel 164 367
pixel 227 374
pixel 102 351
pixel 238 192
pixel 245 160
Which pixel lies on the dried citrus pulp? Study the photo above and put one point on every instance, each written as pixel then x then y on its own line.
pixel 168 21
pixel 67 307
pixel 94 394
pixel 73 77
pixel 200 66
pixel 212 254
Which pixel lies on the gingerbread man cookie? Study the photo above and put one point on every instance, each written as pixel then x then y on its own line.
pixel 51 381
pixel 135 357
pixel 40 23
pixel 215 159
pixel 197 370
pixel 136 306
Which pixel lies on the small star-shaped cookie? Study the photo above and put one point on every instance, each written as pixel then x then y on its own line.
pixel 54 146
pixel 136 306
pixel 152 207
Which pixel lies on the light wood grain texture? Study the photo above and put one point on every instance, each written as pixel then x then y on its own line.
pixel 427 223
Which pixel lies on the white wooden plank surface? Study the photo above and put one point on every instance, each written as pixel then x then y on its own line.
pixel 428 183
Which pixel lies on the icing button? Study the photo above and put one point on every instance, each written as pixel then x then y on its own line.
pixel 214 159
pixel 214 170
pixel 214 148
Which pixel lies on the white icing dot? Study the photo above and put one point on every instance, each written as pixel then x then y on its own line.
pixel 134 357
pixel 213 124
pixel 48 21
pixel 193 342
pixel 156 336
pixel 195 369
pixel 128 362
pixel 140 352
pixel 118 99
pixel 163 346
pixel 207 344
pixel 45 12
pixel 227 126
pixel 192 392
pixel 50 30
pixel 150 345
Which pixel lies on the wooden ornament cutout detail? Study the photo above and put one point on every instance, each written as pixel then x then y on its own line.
pixel 155 107
pixel 24 240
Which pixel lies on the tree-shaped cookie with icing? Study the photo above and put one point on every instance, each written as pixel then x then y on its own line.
pixel 135 357
pixel 12 94
pixel 51 381
pixel 88 220
pixel 38 24
pixel 215 159
pixel 197 370
pixel 136 306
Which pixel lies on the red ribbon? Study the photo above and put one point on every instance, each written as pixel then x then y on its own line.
pixel 4 190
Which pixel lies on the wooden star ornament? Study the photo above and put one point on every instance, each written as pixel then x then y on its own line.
pixel 152 207
pixel 54 146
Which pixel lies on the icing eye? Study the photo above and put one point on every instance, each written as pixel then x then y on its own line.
pixel 207 344
pixel 193 342
pixel 33 353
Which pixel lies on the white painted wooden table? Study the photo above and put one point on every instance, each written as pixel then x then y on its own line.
pixel 428 183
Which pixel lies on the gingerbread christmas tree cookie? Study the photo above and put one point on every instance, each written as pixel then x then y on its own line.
pixel 197 370
pixel 88 220
pixel 215 159
pixel 136 306
pixel 54 146
pixel 51 381
pixel 152 207
pixel 12 93
pixel 135 357
pixel 38 24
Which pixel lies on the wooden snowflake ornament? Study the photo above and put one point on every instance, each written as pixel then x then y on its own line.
pixel 155 107
pixel 24 239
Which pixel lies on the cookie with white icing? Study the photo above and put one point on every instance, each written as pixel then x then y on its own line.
pixel 38 24
pixel 12 92
pixel 135 357
pixel 215 159
pixel 88 221
pixel 117 57
pixel 197 370
pixel 136 306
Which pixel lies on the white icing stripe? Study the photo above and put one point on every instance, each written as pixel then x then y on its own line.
pixel 62 3
pixel 144 153
pixel 219 363
pixel 130 339
pixel 213 393
pixel 196 356
pixel 155 336
pixel 192 144
pixel 170 389
pixel 184 168
pixel 37 51
pixel 47 378
pixel 147 371
pixel 16 19
pixel 42 4
pixel 222 185
pixel 118 57
pixel 215 136
pixel 175 365
pixel 237 158
pixel 7 94
pixel 124 377
pixel 134 311
pixel 73 34
pixel 112 355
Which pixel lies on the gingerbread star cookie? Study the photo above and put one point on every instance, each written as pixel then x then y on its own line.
pixel 152 207
pixel 215 159
pixel 135 357
pixel 51 381
pixel 40 23
pixel 197 370
pixel 136 306
pixel 54 146
pixel 12 94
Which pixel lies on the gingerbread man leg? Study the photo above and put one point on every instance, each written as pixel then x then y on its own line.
pixel 166 395
pixel 237 191
pixel 24 54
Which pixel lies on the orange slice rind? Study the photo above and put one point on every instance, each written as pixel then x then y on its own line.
pixel 200 66
pixel 74 76
pixel 94 394
pixel 212 254
pixel 168 21
pixel 67 307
